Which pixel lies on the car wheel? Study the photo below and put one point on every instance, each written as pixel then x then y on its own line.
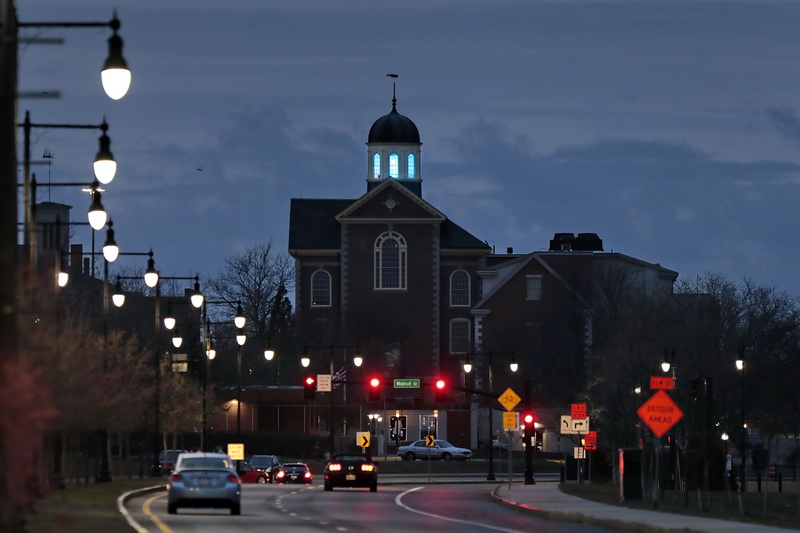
pixel 261 479
pixel 172 508
pixel 328 486
pixel 236 509
pixel 446 457
pixel 374 487
pixel 410 456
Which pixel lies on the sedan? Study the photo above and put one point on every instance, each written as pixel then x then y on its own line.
pixel 204 480
pixel 294 473
pixel 440 450
pixel 351 470
pixel 259 469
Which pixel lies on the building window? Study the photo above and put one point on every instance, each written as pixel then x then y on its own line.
pixel 390 261
pixel 459 335
pixel 320 289
pixel 376 166
pixel 394 166
pixel 533 287
pixel 459 289
pixel 411 169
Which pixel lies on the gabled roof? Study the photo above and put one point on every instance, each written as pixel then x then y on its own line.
pixel 316 224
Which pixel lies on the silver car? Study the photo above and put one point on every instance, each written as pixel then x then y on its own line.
pixel 440 450
pixel 204 480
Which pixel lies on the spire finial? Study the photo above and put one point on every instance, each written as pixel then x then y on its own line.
pixel 394 90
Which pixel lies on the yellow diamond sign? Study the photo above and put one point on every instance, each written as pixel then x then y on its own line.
pixel 509 399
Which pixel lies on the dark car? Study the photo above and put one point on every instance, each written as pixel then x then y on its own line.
pixel 259 469
pixel 294 473
pixel 351 470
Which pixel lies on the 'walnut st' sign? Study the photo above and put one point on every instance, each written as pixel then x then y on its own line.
pixel 660 413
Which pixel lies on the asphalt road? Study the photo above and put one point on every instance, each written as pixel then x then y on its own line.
pixel 456 508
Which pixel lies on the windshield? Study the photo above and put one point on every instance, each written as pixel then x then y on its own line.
pixel 262 462
pixel 205 462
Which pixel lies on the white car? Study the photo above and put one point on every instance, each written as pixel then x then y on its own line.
pixel 204 480
pixel 440 450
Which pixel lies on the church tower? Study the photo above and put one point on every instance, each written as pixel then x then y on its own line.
pixel 393 149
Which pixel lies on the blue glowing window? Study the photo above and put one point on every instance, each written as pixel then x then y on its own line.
pixel 394 166
pixel 376 166
pixel 411 171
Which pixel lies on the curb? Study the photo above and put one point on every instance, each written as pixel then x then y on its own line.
pixel 123 499
pixel 625 527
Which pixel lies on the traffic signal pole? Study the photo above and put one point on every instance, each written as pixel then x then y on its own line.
pixel 530 436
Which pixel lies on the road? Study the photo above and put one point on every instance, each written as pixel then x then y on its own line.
pixel 451 508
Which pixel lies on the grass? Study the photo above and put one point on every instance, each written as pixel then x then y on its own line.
pixel 83 508
pixel 777 509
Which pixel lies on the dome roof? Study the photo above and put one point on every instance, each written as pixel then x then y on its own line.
pixel 393 128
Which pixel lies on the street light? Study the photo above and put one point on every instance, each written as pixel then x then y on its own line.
pixel 513 366
pixel 743 429
pixel 305 361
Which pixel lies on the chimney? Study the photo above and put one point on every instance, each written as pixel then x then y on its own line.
pixel 509 250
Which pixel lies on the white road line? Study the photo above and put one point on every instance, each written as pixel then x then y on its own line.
pixel 398 500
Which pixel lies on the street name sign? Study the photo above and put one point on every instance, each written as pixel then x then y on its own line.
pixel 406 383
pixel 660 413
pixel 509 399
pixel 324 383
pixel 662 382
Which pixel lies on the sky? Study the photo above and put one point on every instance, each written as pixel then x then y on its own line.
pixel 669 128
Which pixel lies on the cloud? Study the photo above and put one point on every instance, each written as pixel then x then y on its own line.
pixel 786 122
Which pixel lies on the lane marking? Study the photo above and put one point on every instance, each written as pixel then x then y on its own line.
pixel 398 501
pixel 146 508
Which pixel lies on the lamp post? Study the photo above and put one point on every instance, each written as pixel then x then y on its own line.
pixel 743 428
pixel 513 366
pixel 357 360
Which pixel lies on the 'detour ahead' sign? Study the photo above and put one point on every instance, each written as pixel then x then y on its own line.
pixel 660 413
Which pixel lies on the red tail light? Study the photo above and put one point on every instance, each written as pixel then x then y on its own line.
pixel 307 475
pixel 280 474
pixel 367 468
pixel 334 467
pixel 233 478
pixel 176 477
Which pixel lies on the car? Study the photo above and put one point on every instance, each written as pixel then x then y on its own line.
pixel 294 473
pixel 351 470
pixel 204 479
pixel 440 450
pixel 167 459
pixel 259 468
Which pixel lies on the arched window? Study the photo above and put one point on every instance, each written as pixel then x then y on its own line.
pixel 411 169
pixel 376 166
pixel 320 289
pixel 459 289
pixel 394 166
pixel 390 261
pixel 459 335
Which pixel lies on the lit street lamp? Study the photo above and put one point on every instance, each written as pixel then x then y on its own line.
pixel 743 427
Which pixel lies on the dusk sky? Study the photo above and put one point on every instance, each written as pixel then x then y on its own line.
pixel 669 128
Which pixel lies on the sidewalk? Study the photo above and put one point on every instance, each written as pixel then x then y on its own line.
pixel 547 500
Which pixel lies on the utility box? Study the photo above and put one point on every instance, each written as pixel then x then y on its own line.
pixel 631 479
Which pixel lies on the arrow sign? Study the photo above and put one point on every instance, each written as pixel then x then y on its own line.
pixel 362 439
pixel 429 441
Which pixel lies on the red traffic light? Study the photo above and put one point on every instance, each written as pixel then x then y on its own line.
pixel 374 382
pixel 528 418
pixel 310 380
pixel 440 384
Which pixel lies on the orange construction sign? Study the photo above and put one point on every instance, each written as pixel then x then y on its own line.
pixel 660 413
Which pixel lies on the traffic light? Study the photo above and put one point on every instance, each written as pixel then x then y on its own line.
pixel 374 390
pixel 309 387
pixel 440 391
pixel 530 431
